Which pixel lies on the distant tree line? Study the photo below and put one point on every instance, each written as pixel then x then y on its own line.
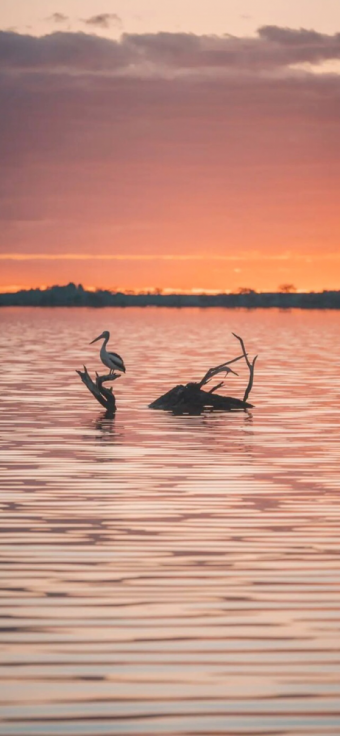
pixel 76 296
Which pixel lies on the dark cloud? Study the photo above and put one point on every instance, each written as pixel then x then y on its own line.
pixel 302 45
pixel 162 54
pixel 70 51
pixel 58 17
pixel 104 20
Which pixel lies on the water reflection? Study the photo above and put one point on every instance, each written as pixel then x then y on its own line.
pixel 106 429
pixel 163 574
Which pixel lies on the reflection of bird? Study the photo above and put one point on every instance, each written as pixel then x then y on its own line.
pixel 112 360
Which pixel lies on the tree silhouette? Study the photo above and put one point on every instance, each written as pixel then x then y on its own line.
pixel 287 289
pixel 245 290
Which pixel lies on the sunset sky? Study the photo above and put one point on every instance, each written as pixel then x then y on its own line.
pixel 182 145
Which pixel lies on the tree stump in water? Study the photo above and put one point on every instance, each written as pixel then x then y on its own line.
pixel 192 399
pixel 103 395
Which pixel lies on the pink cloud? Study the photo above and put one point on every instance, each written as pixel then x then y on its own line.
pixel 103 148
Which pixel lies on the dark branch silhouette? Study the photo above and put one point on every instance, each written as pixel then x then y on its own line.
pixel 251 367
pixel 102 394
pixel 192 399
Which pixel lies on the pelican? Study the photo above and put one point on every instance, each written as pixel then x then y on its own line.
pixel 111 360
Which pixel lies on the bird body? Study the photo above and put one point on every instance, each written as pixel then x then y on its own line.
pixel 113 361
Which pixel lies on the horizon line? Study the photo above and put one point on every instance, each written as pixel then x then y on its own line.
pixel 167 291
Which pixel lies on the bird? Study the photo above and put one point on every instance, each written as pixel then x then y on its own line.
pixel 113 361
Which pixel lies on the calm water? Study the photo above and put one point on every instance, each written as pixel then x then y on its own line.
pixel 160 574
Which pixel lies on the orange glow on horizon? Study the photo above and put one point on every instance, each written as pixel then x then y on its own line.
pixel 171 272
pixel 313 274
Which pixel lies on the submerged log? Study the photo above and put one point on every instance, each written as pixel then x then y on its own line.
pixel 192 399
pixel 103 395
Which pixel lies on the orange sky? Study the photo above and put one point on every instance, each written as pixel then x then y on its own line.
pixel 171 160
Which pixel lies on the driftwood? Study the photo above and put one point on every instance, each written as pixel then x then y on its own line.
pixel 104 395
pixel 192 399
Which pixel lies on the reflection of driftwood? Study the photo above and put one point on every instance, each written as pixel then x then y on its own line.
pixel 191 399
pixel 104 395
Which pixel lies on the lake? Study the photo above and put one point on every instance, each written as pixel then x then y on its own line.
pixel 169 575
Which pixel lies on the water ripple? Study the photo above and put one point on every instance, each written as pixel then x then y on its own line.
pixel 160 574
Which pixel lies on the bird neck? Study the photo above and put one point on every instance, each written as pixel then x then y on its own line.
pixel 106 340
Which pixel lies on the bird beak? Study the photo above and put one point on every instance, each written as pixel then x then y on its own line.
pixel 95 339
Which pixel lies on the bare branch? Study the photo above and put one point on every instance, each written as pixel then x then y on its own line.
pixel 251 366
pixel 251 380
pixel 223 368
pixel 214 388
